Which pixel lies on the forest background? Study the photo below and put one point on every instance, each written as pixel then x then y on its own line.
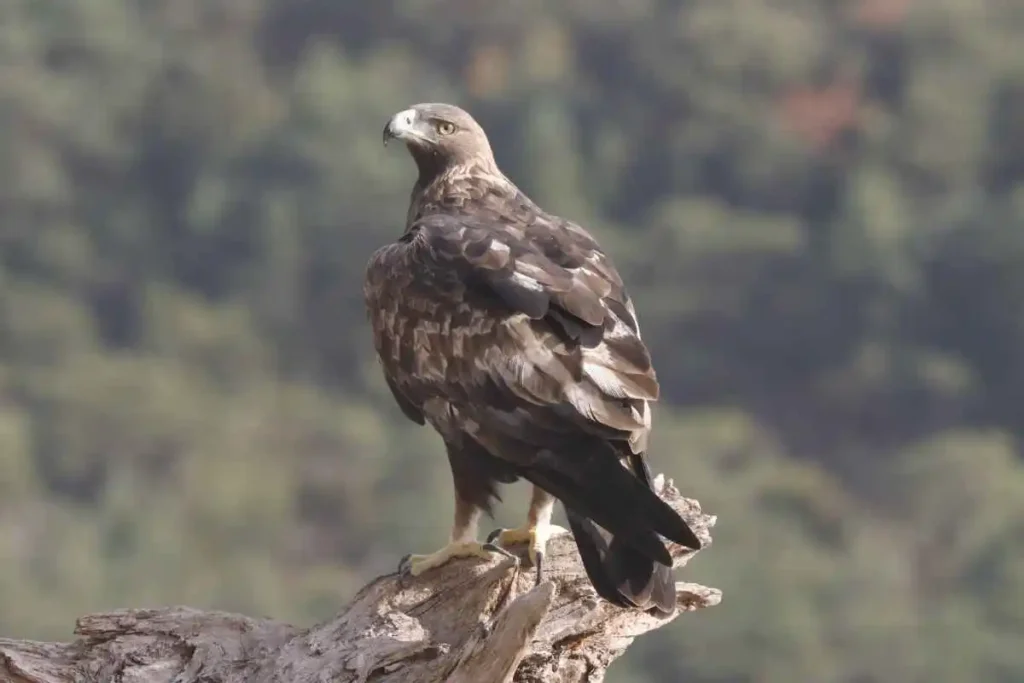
pixel 818 206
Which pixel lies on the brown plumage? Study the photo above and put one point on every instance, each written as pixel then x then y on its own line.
pixel 510 332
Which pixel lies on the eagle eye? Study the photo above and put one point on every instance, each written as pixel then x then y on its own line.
pixel 445 127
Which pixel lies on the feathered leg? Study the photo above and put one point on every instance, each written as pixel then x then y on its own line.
pixel 535 533
pixel 461 543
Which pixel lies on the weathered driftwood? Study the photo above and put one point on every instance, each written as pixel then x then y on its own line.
pixel 468 622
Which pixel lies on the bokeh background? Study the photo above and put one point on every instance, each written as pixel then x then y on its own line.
pixel 818 205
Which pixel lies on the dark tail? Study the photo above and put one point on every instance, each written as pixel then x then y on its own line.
pixel 620 574
pixel 616 518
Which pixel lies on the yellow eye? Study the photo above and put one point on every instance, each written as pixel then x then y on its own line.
pixel 445 127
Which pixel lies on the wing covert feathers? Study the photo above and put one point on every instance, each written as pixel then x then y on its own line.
pixel 461 303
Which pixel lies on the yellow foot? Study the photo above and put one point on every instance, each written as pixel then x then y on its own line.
pixel 536 540
pixel 418 564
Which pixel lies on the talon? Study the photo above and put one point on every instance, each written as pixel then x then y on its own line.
pixel 494 548
pixel 535 538
pixel 535 533
pixel 510 537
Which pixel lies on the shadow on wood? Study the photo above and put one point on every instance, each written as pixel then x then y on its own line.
pixel 467 622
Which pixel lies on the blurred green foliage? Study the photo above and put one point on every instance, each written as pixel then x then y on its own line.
pixel 819 207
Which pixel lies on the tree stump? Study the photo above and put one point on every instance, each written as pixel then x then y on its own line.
pixel 471 621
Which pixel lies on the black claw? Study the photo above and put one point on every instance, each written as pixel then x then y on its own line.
pixel 405 564
pixel 491 547
pixel 493 535
pixel 540 567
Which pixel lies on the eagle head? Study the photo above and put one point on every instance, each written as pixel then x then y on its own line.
pixel 440 136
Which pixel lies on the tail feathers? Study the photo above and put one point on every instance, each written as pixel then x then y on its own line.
pixel 625 502
pixel 593 549
pixel 626 562
pixel 616 518
pixel 681 532
pixel 608 506
pixel 663 595
pixel 619 573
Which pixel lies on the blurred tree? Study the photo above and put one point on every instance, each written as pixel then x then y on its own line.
pixel 818 207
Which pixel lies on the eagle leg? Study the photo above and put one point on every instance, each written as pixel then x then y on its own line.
pixel 462 543
pixel 535 533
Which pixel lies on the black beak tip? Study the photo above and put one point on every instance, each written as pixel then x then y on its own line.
pixel 387 134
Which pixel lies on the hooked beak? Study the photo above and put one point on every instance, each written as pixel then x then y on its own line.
pixel 402 126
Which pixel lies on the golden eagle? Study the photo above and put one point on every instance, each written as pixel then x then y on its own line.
pixel 509 330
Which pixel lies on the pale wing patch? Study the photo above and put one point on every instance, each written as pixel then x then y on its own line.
pixel 632 312
pixel 536 371
pixel 585 404
pixel 591 280
pixel 620 330
pixel 532 270
pixel 429 364
pixel 497 255
pixel 526 282
pixel 595 407
pixel 606 379
pixel 638 439
pixel 531 382
pixel 602 355
pixel 613 383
